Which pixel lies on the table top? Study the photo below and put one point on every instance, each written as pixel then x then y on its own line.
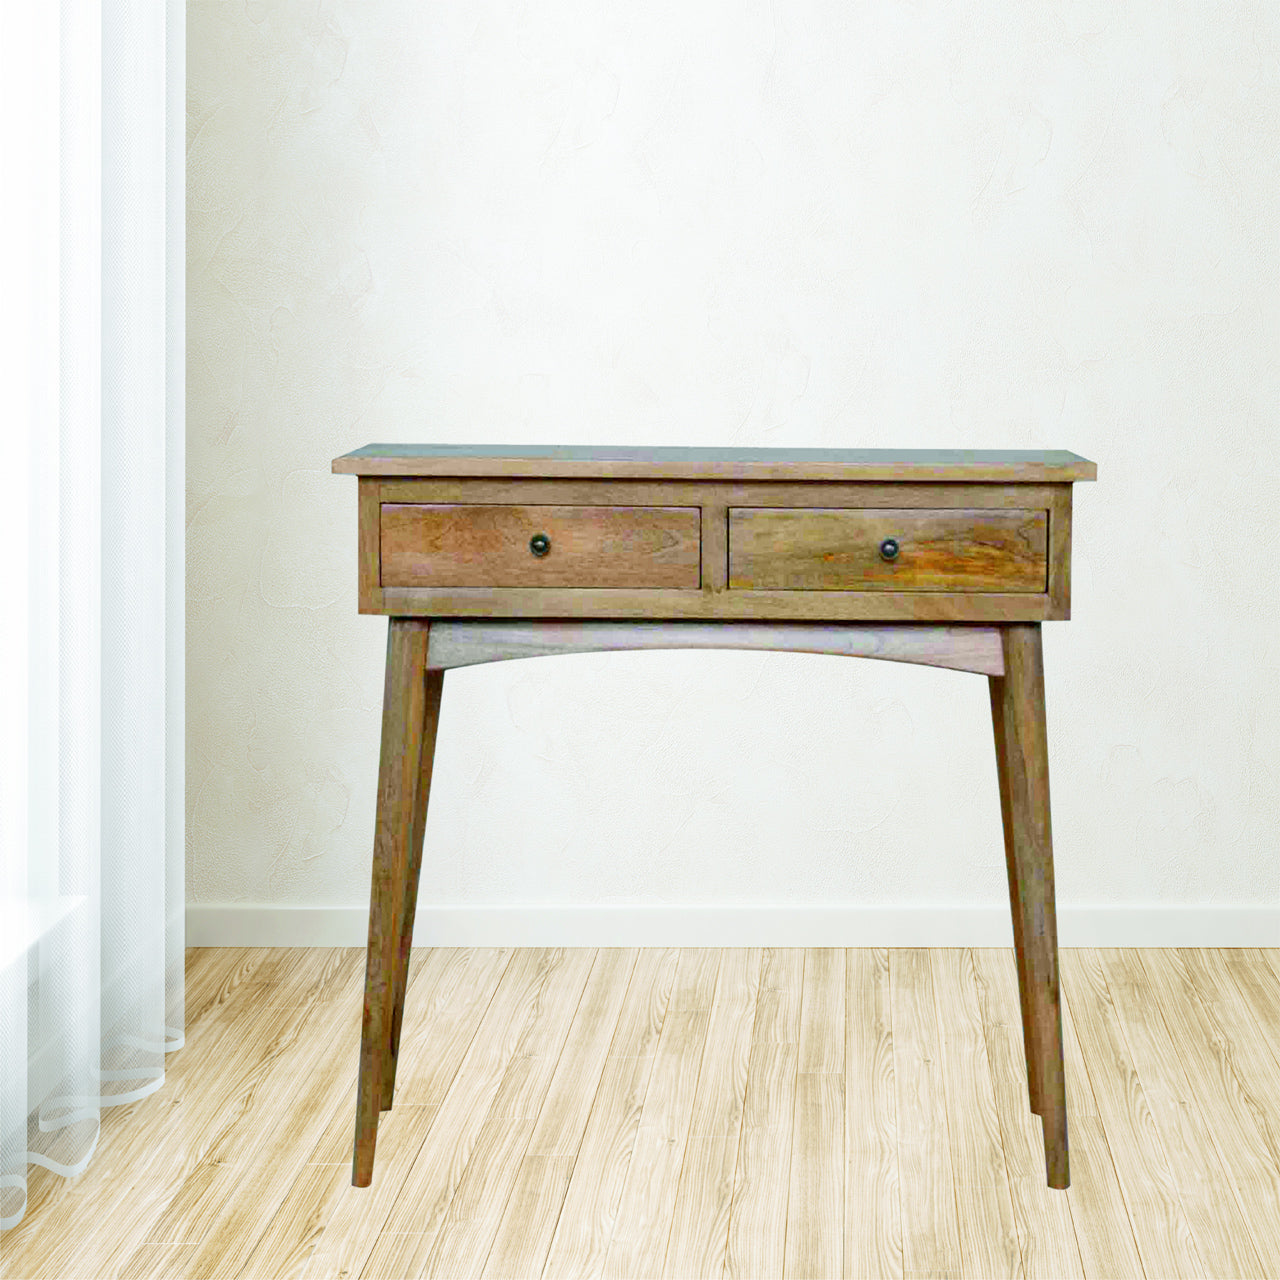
pixel 1030 466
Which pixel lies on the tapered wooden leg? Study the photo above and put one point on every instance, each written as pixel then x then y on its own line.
pixel 1030 1051
pixel 1027 770
pixel 400 979
pixel 403 706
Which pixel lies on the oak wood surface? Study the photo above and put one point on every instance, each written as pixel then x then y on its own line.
pixel 403 711
pixel 1218 1048
pixel 592 1198
pixel 700 1217
pixel 1045 1221
pixel 1060 551
pixel 527 596
pixel 470 1223
pixel 368 546
pixel 838 549
pixel 1105 1231
pixel 872 1201
pixel 1009 465
pixel 434 691
pixel 1193 1041
pixel 463 643
pixel 1205 1182
pixel 1024 761
pixel 517 491
pixel 997 693
pixel 801 606
pixel 931 1235
pixel 528 1216
pixel 988 1240
pixel 456 988
pixel 1165 1245
pixel 815 1208
pixel 454 545
pixel 756 1243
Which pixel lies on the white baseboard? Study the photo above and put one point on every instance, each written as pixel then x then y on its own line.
pixel 240 925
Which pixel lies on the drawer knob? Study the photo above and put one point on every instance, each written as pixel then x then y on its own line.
pixel 889 549
pixel 539 544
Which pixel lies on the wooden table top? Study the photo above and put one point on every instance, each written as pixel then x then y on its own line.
pixel 1030 466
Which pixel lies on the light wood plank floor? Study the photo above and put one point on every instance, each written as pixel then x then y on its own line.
pixel 686 1113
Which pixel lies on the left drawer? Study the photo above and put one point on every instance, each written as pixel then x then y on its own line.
pixel 452 545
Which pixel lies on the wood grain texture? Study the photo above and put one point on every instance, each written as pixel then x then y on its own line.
pixel 430 1184
pixel 369 551
pixel 1042 1219
pixel 872 1203
pixel 247 1141
pixel 642 1224
pixel 445 545
pixel 1104 1230
pixel 592 1201
pixel 715 545
pixel 1007 465
pixel 815 1213
pixel 403 709
pixel 266 1169
pixel 452 989
pixel 157 1262
pixel 335 1236
pixel 930 1238
pixel 1030 1048
pixel 409 904
pixel 988 1239
pixel 215 975
pixel 532 592
pixel 1205 1182
pixel 799 606
pixel 1060 552
pixel 756 1244
pixel 138 1168
pixel 470 1225
pixel 1234 1080
pixel 529 1215
pixel 1026 767
pixel 456 987
pixel 838 549
pixel 961 648
pixel 1257 981
pixel 714 493
pixel 1147 1183
pixel 218 1102
pixel 700 1217
pixel 815 1207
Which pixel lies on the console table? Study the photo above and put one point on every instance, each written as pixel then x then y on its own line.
pixel 485 553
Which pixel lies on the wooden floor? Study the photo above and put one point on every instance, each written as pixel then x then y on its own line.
pixel 753 1113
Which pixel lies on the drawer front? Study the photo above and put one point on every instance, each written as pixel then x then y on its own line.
pixel 451 545
pixel 839 549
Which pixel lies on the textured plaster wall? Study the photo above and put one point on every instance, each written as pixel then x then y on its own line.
pixel 933 224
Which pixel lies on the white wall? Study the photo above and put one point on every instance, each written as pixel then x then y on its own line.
pixel 986 225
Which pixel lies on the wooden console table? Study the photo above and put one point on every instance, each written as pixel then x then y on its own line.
pixel 483 553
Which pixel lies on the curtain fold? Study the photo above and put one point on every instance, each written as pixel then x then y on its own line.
pixel 92 861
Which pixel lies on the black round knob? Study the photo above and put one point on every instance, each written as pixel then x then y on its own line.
pixel 889 549
pixel 539 544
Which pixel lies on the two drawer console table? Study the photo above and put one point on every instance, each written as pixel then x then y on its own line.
pixel 485 553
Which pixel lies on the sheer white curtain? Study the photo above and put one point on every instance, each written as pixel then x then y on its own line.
pixel 91 544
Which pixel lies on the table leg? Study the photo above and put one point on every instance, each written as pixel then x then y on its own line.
pixel 1030 1050
pixel 403 708
pixel 1026 754
pixel 431 722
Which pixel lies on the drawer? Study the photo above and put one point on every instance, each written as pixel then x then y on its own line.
pixel 454 545
pixel 839 549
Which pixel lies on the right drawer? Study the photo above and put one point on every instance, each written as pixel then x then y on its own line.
pixel 888 549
